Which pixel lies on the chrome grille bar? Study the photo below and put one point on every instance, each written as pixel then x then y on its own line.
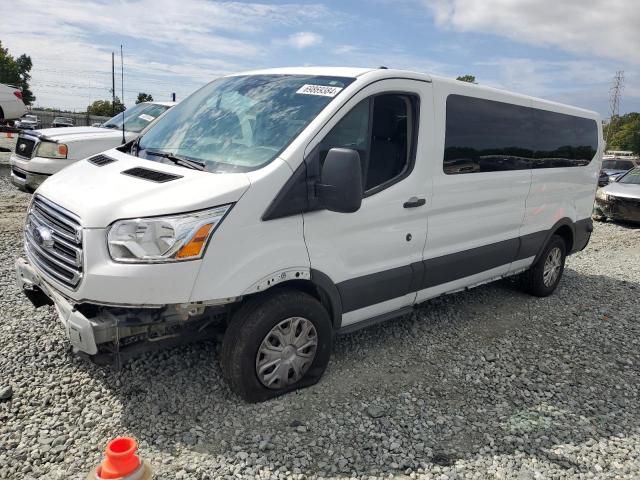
pixel 53 241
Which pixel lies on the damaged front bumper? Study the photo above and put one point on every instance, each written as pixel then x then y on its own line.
pixel 619 208
pixel 91 327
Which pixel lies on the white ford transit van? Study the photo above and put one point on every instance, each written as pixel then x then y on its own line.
pixel 286 205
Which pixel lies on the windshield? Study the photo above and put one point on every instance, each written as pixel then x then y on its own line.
pixel 240 123
pixel 617 164
pixel 632 176
pixel 31 117
pixel 136 118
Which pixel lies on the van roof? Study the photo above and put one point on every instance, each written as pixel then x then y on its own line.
pixel 379 72
pixel 319 71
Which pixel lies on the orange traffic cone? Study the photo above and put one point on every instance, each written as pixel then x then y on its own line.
pixel 121 462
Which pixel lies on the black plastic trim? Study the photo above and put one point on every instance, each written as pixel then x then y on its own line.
pixel 378 287
pixel 326 285
pixel 582 234
pixel 458 265
pixel 151 175
pixel 292 199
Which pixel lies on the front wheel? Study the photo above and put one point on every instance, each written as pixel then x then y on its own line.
pixel 275 343
pixel 544 275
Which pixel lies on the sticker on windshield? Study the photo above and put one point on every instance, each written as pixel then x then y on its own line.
pixel 146 117
pixel 321 90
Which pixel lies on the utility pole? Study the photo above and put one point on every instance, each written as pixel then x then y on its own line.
pixel 113 84
pixel 615 92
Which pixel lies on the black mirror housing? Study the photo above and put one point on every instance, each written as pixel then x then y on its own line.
pixel 340 188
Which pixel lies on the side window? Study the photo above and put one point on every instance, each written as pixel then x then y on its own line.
pixel 486 136
pixel 489 136
pixel 381 129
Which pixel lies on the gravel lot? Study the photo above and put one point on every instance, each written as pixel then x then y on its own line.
pixel 489 383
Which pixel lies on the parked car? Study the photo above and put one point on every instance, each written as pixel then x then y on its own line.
pixel 59 122
pixel 29 122
pixel 11 104
pixel 40 154
pixel 603 178
pixel 613 168
pixel 284 206
pixel 620 200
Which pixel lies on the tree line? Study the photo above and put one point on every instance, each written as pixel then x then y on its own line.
pixel 625 132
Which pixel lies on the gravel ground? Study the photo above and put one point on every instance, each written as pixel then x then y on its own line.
pixel 489 383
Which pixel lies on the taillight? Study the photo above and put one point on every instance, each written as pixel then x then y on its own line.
pixel 18 94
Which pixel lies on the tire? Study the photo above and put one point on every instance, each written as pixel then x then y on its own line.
pixel 534 280
pixel 259 325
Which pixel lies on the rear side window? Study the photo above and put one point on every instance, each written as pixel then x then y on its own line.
pixel 486 136
pixel 381 129
pixel 489 136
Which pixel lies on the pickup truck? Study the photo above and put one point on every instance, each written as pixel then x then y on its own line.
pixel 41 153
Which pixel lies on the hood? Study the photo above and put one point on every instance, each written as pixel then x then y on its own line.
pixel 75 134
pixel 101 195
pixel 609 171
pixel 627 190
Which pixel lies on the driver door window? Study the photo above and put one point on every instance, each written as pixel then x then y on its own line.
pixel 381 130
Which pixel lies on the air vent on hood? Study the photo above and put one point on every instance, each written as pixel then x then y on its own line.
pixel 151 175
pixel 101 160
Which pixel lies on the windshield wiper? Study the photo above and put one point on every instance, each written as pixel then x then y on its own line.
pixel 185 162
pixel 109 125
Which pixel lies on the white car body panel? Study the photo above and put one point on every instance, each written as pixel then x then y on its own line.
pixel 12 107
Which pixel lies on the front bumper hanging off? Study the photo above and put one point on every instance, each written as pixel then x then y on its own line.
pixel 79 329
pixel 89 326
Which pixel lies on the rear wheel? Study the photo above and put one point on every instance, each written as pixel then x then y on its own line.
pixel 277 342
pixel 544 275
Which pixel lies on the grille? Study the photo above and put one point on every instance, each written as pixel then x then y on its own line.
pixel 53 241
pixel 24 147
pixel 627 202
pixel 101 160
pixel 151 175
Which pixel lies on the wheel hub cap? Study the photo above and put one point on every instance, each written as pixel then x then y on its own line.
pixel 552 267
pixel 286 353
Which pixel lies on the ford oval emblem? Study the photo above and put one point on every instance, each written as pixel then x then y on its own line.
pixel 43 237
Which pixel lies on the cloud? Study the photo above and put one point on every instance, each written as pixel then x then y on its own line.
pixel 169 46
pixel 302 40
pixel 607 29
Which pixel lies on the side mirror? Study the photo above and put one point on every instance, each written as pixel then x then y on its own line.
pixel 340 187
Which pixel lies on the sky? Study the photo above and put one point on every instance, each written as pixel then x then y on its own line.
pixel 562 50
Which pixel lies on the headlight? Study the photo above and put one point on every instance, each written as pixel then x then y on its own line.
pixel 600 195
pixel 164 239
pixel 52 150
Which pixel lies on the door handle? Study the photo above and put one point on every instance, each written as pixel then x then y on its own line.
pixel 414 202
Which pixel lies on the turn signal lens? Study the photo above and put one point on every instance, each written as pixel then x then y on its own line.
pixel 62 150
pixel 195 245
